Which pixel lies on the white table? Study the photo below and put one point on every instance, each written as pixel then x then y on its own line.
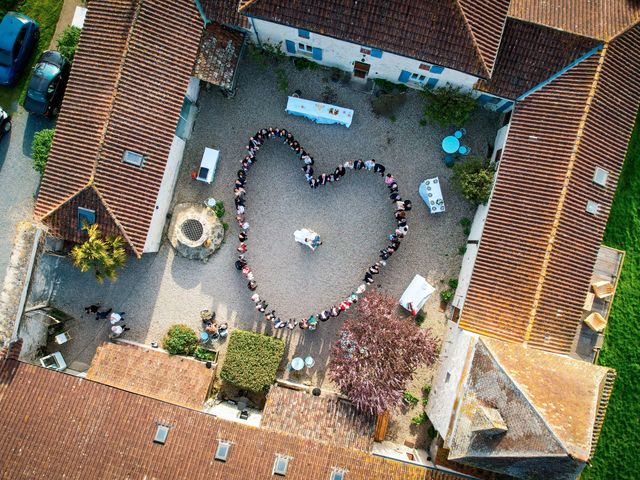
pixel 416 294
pixel 319 112
pixel 432 195
pixel 208 165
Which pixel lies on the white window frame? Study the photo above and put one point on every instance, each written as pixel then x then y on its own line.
pixel 304 49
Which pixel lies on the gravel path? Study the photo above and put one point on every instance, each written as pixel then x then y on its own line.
pixel 352 216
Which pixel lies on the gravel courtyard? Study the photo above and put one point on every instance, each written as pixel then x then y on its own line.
pixel 353 217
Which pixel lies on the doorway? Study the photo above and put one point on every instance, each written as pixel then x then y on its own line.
pixel 361 70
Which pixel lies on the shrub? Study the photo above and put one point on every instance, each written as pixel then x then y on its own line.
pixel 423 122
pixel 252 360
pixel 68 42
pixel 419 419
pixel 431 431
pixel 474 179
pixel 426 390
pixel 40 149
pixel 180 340
pixel 103 255
pixel 218 209
pixel 386 86
pixel 420 317
pixel 448 106
pixel 302 63
pixel 446 295
pixel 204 354
pixel 387 104
pixel 282 80
pixel 462 250
pixel 453 283
pixel 465 222
pixel 410 398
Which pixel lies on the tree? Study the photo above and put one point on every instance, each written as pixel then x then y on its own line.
pixel 474 179
pixel 180 340
pixel 68 42
pixel 103 255
pixel 448 106
pixel 40 149
pixel 377 353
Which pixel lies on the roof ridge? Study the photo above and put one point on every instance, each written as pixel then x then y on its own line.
pixel 563 194
pixel 476 46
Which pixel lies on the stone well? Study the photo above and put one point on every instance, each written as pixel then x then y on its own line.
pixel 195 231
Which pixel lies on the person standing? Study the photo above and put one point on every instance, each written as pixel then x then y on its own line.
pixel 379 168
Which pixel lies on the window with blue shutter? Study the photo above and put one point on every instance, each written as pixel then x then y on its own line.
pixel 404 76
pixel 436 69
pixel 432 82
pixel 317 53
pixel 376 53
pixel 291 46
pixel 302 33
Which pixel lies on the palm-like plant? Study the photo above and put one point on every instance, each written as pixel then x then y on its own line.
pixel 103 255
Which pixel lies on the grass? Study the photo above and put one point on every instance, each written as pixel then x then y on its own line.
pixel 616 455
pixel 46 13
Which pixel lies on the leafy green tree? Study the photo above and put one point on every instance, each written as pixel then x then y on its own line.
pixel 68 42
pixel 448 106
pixel 180 340
pixel 474 179
pixel 102 255
pixel 40 149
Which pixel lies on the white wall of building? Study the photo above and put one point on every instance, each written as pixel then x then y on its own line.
pixel 342 54
pixel 165 194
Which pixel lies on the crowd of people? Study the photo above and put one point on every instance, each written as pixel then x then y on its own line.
pixel 395 237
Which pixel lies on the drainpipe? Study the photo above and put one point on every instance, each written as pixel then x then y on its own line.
pixel 253 25
pixel 202 14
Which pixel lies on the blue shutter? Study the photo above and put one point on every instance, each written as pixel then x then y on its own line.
pixel 505 107
pixel 484 99
pixel 317 53
pixel 303 33
pixel 436 69
pixel 404 76
pixel 432 82
pixel 376 53
pixel 291 46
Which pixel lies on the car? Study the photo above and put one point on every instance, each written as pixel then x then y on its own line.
pixel 18 37
pixel 47 85
pixel 5 122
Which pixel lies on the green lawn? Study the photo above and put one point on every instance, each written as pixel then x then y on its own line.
pixel 617 453
pixel 46 13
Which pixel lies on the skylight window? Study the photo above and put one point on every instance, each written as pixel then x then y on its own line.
pixel 133 158
pixel 222 453
pixel 600 177
pixel 280 465
pixel 592 207
pixel 337 474
pixel 161 434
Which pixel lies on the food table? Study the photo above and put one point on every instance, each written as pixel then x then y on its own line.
pixel 432 195
pixel 416 294
pixel 319 112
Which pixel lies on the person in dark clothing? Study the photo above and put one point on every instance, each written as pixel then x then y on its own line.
pixel 313 182
pixel 103 315
pixel 308 170
pixel 242 236
pixel 368 278
pixel 379 168
pixel 374 269
pixel 252 285
pixel 358 164
pixel 339 171
pixel 92 309
pixel 400 215
pixel 324 315
pixel 322 179
pixel 395 196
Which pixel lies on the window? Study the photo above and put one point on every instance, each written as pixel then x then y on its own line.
pixel 161 434
pixel 424 66
pixel 303 33
pixel 133 158
pixel 375 53
pixel 365 51
pixel 592 207
pixel 86 216
pixel 600 177
pixel 280 465
pixel 304 48
pixel 185 120
pixel 498 155
pixel 223 451
pixel 337 474
pixel 416 77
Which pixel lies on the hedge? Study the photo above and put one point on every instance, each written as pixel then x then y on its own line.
pixel 252 360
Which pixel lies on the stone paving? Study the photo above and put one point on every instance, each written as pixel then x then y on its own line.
pixel 353 217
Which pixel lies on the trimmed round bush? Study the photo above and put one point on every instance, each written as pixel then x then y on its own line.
pixel 180 340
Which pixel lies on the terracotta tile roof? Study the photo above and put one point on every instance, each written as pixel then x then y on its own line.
pixel 144 51
pixel 326 418
pixel 225 12
pixel 218 55
pixel 486 19
pixel 601 19
pixel 539 244
pixel 60 426
pixel 530 54
pixel 549 430
pixel 152 373
pixel 433 31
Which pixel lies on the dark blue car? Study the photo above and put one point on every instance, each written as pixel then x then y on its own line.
pixel 18 37
pixel 47 84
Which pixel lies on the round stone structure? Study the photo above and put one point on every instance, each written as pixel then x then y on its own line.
pixel 195 231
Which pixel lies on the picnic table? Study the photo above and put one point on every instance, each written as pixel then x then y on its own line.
pixel 322 113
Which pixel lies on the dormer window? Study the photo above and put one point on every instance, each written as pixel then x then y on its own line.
pixel 86 217
pixel 222 452
pixel 280 465
pixel 133 158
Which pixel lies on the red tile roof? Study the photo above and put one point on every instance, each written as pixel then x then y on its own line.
pixel 602 19
pixel 539 245
pixel 218 55
pixel 55 425
pixel 530 54
pixel 126 90
pixel 225 12
pixel 432 31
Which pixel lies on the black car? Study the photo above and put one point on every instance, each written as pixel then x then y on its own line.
pixel 47 84
pixel 5 122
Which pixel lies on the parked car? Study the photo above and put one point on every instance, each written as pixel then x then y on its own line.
pixel 47 85
pixel 5 122
pixel 18 37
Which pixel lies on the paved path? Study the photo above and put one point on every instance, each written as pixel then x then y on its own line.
pixel 18 180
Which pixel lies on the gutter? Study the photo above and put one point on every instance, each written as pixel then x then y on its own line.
pixel 202 14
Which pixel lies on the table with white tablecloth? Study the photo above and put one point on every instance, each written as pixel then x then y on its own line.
pixel 319 112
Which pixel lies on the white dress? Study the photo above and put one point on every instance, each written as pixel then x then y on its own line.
pixel 305 237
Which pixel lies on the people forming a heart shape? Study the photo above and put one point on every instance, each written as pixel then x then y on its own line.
pixel 401 207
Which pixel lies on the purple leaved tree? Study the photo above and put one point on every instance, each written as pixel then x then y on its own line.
pixel 377 353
